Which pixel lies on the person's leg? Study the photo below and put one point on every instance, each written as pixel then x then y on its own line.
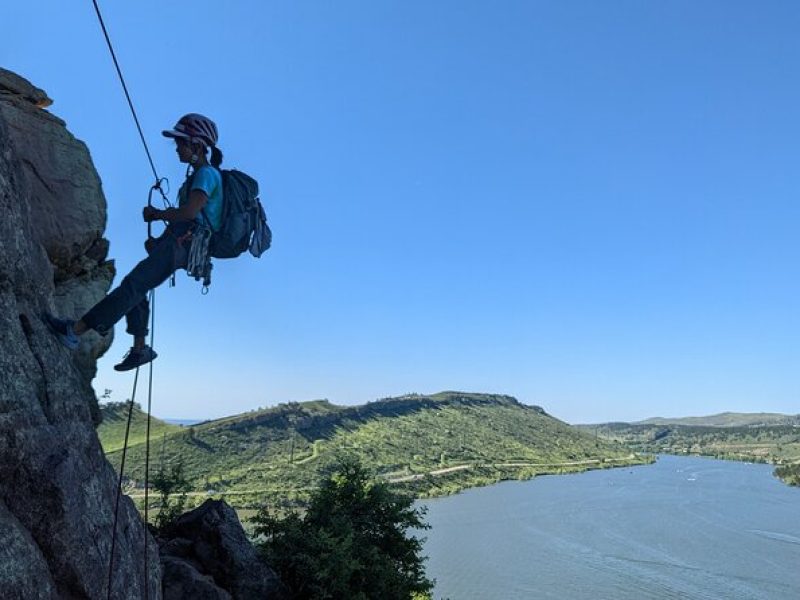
pixel 130 298
pixel 137 319
pixel 139 316
pixel 131 295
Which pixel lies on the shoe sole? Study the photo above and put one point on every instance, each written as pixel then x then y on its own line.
pixel 120 367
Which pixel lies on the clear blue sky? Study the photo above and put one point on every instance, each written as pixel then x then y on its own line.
pixel 592 206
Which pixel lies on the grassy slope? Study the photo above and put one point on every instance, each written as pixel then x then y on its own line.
pixel 115 418
pixel 777 444
pixel 279 453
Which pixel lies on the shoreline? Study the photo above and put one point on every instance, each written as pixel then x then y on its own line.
pixel 787 473
pixel 436 483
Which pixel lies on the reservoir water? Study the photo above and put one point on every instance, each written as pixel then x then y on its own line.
pixel 685 527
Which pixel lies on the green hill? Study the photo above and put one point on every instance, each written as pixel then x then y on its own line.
pixel 727 419
pixel 774 444
pixel 115 418
pixel 429 445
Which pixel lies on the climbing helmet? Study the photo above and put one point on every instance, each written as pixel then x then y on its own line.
pixel 196 128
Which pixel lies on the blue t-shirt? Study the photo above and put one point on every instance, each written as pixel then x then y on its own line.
pixel 208 180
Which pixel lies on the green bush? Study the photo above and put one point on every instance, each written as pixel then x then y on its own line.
pixel 353 541
pixel 170 481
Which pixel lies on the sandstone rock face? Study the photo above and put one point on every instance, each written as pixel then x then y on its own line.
pixel 67 209
pixel 209 555
pixel 57 490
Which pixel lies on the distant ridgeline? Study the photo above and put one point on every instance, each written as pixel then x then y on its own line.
pixel 757 437
pixel 427 445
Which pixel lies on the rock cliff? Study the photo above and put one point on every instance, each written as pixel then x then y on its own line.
pixel 57 490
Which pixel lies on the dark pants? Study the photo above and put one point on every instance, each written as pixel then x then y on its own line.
pixel 166 255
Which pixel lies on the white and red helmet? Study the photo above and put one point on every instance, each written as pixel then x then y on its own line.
pixel 195 128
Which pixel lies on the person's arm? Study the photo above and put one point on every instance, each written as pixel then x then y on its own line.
pixel 187 212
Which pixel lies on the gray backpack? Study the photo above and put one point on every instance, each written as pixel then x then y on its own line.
pixel 244 222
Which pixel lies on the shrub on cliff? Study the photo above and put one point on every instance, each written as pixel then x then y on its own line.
pixel 172 487
pixel 352 542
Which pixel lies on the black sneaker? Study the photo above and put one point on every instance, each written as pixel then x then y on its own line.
pixel 136 357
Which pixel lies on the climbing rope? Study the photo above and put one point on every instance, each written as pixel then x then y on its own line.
pixel 119 485
pixel 157 186
pixel 158 179
pixel 152 300
pixel 147 439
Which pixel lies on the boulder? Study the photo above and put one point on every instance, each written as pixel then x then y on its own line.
pixel 184 580
pixel 57 490
pixel 210 539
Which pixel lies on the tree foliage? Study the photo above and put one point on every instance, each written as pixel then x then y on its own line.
pixel 353 541
pixel 172 486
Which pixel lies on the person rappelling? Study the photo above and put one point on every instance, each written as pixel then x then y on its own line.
pixel 198 215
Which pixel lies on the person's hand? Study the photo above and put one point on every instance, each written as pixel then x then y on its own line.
pixel 150 214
